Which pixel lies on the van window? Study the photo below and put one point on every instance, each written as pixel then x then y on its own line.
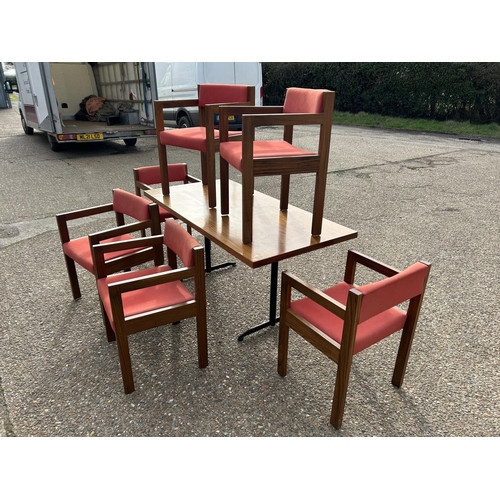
pixel 219 72
pixel 247 73
pixel 184 76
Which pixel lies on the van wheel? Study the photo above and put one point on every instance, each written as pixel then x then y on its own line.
pixel 54 145
pixel 130 142
pixel 27 130
pixel 184 122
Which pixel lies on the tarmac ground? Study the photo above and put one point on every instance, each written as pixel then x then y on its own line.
pixel 409 196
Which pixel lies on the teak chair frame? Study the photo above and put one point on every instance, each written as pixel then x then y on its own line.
pixel 125 326
pixel 342 354
pixel 141 186
pixel 135 257
pixel 260 116
pixel 206 116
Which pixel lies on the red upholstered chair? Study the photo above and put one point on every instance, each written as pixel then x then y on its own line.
pixel 147 298
pixel 347 318
pixel 204 138
pixel 146 177
pixel 264 158
pixel 78 250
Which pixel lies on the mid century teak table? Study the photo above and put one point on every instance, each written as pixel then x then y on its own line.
pixel 277 235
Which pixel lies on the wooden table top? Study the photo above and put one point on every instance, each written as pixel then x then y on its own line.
pixel 277 235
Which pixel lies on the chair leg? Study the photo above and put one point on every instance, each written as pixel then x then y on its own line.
pixel 319 204
pixel 110 333
pixel 340 393
pixel 224 186
pixel 163 161
pixel 339 397
pixel 412 314
pixel 212 196
pixel 201 331
pixel 247 208
pixel 125 362
pixel 73 277
pixel 203 160
pixel 285 192
pixel 403 355
pixel 284 333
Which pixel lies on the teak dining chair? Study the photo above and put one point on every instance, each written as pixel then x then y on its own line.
pixel 147 298
pixel 79 250
pixel 346 319
pixel 269 157
pixel 205 137
pixel 146 177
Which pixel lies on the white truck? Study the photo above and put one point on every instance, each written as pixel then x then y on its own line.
pixel 180 80
pixel 82 101
pixel 102 101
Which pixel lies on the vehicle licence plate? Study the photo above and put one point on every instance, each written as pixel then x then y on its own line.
pixel 89 137
pixel 230 118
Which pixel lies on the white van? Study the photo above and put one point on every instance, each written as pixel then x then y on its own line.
pixel 179 80
pixel 54 98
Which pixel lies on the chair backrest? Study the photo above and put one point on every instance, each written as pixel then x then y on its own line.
pixel 177 172
pixel 130 204
pixel 214 93
pixel 389 292
pixel 177 239
pixel 299 100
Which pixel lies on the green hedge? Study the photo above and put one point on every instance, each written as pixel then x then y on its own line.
pixel 440 91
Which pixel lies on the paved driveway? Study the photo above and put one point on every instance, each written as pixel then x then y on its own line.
pixel 409 196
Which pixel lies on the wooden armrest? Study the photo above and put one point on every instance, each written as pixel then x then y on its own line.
pixel 144 187
pixel 63 218
pixel 96 238
pixel 100 249
pixel 291 281
pixel 181 103
pixel 235 109
pixel 151 280
pixel 159 106
pixel 258 120
pixel 85 212
pixel 354 257
pixel 226 111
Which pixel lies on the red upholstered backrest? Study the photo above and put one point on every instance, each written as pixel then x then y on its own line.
pixel 303 100
pixel 131 204
pixel 177 172
pixel 212 93
pixel 390 292
pixel 180 241
pixel 151 175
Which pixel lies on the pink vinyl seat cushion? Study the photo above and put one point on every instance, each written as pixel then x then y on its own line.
pixel 369 332
pixel 189 138
pixel 146 299
pixel 232 151
pixel 79 250
pixel 379 317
